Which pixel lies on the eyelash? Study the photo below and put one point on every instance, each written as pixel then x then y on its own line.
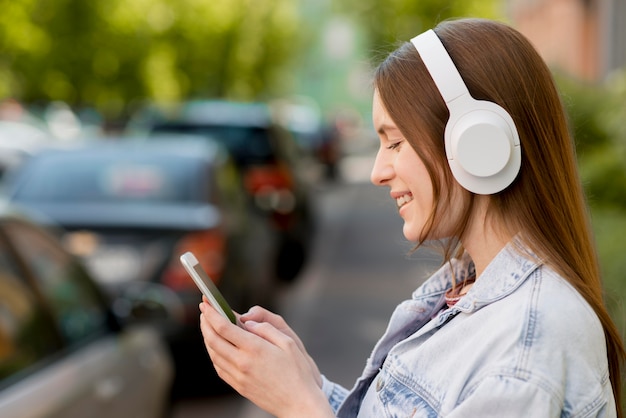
pixel 395 145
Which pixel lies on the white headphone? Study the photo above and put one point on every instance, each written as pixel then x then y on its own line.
pixel 482 143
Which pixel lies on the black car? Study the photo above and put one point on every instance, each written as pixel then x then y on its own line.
pixel 130 209
pixel 275 176
pixel 63 352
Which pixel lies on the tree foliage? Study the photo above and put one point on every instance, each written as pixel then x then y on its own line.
pixel 390 21
pixel 107 53
pixel 596 116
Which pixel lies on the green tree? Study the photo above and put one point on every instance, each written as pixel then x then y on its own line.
pixel 109 53
pixel 390 21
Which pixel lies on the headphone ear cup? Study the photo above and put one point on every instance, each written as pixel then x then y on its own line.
pixel 482 146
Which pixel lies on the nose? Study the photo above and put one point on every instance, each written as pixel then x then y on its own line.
pixel 382 171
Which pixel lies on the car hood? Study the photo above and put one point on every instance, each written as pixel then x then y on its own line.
pixel 147 215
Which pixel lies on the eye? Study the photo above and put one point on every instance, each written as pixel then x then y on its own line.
pixel 395 145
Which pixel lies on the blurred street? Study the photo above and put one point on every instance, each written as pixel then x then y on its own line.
pixel 341 304
pixel 133 132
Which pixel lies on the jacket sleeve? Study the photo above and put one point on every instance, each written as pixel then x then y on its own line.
pixel 334 392
pixel 505 396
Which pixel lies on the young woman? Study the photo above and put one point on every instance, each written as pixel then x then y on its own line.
pixel 475 150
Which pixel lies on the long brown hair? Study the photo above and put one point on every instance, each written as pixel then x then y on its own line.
pixel 545 204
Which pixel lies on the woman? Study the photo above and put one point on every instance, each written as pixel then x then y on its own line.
pixel 513 324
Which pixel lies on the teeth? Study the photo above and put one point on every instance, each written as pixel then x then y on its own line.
pixel 402 200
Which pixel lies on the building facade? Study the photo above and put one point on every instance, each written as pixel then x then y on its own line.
pixel 583 38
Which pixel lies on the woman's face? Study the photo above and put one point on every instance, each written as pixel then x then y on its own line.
pixel 399 167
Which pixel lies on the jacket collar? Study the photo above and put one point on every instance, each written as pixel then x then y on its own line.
pixel 505 273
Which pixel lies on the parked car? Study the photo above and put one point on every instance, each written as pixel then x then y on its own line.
pixel 18 141
pixel 62 351
pixel 275 177
pixel 10 157
pixel 315 136
pixel 130 209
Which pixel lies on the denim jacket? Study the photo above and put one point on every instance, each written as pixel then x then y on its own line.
pixel 521 343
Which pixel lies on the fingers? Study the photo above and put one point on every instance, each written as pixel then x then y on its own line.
pixel 223 340
pixel 259 314
pixel 260 361
pixel 287 341
pixel 206 301
pixel 269 333
pixel 219 334
pixel 220 338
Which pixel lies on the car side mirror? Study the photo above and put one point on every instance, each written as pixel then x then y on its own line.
pixel 148 303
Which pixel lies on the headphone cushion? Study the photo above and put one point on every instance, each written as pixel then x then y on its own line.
pixel 482 146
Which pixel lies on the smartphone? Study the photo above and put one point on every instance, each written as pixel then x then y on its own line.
pixel 206 286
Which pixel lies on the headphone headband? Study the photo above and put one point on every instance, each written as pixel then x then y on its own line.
pixel 440 66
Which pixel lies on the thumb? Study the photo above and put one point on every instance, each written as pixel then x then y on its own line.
pixel 267 331
pixel 258 314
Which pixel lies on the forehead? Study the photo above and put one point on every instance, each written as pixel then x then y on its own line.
pixel 381 119
pixel 379 113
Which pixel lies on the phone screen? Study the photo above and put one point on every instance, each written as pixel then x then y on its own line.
pixel 206 286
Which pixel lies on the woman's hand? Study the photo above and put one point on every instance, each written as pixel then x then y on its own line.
pixel 259 314
pixel 264 361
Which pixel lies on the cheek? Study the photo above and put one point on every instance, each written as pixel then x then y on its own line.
pixel 415 219
pixel 408 165
pixel 416 177
pixel 451 214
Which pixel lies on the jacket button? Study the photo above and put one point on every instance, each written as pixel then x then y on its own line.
pixel 380 382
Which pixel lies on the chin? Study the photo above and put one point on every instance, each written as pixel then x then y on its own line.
pixel 410 234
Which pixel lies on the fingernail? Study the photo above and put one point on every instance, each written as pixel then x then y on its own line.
pixel 250 324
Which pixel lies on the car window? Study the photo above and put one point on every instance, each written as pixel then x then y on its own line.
pixel 110 178
pixel 27 334
pixel 74 301
pixel 247 144
pixel 288 146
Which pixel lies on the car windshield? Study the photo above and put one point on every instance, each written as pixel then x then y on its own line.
pixel 104 178
pixel 247 144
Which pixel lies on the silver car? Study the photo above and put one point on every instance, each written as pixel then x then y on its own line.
pixel 62 351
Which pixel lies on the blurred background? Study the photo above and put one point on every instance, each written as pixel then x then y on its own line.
pixel 132 131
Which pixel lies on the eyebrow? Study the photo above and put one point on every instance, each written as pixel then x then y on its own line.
pixel 385 128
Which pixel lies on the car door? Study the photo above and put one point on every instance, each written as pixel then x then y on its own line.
pixel 61 354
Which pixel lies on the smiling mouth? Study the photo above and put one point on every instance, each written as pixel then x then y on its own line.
pixel 403 200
